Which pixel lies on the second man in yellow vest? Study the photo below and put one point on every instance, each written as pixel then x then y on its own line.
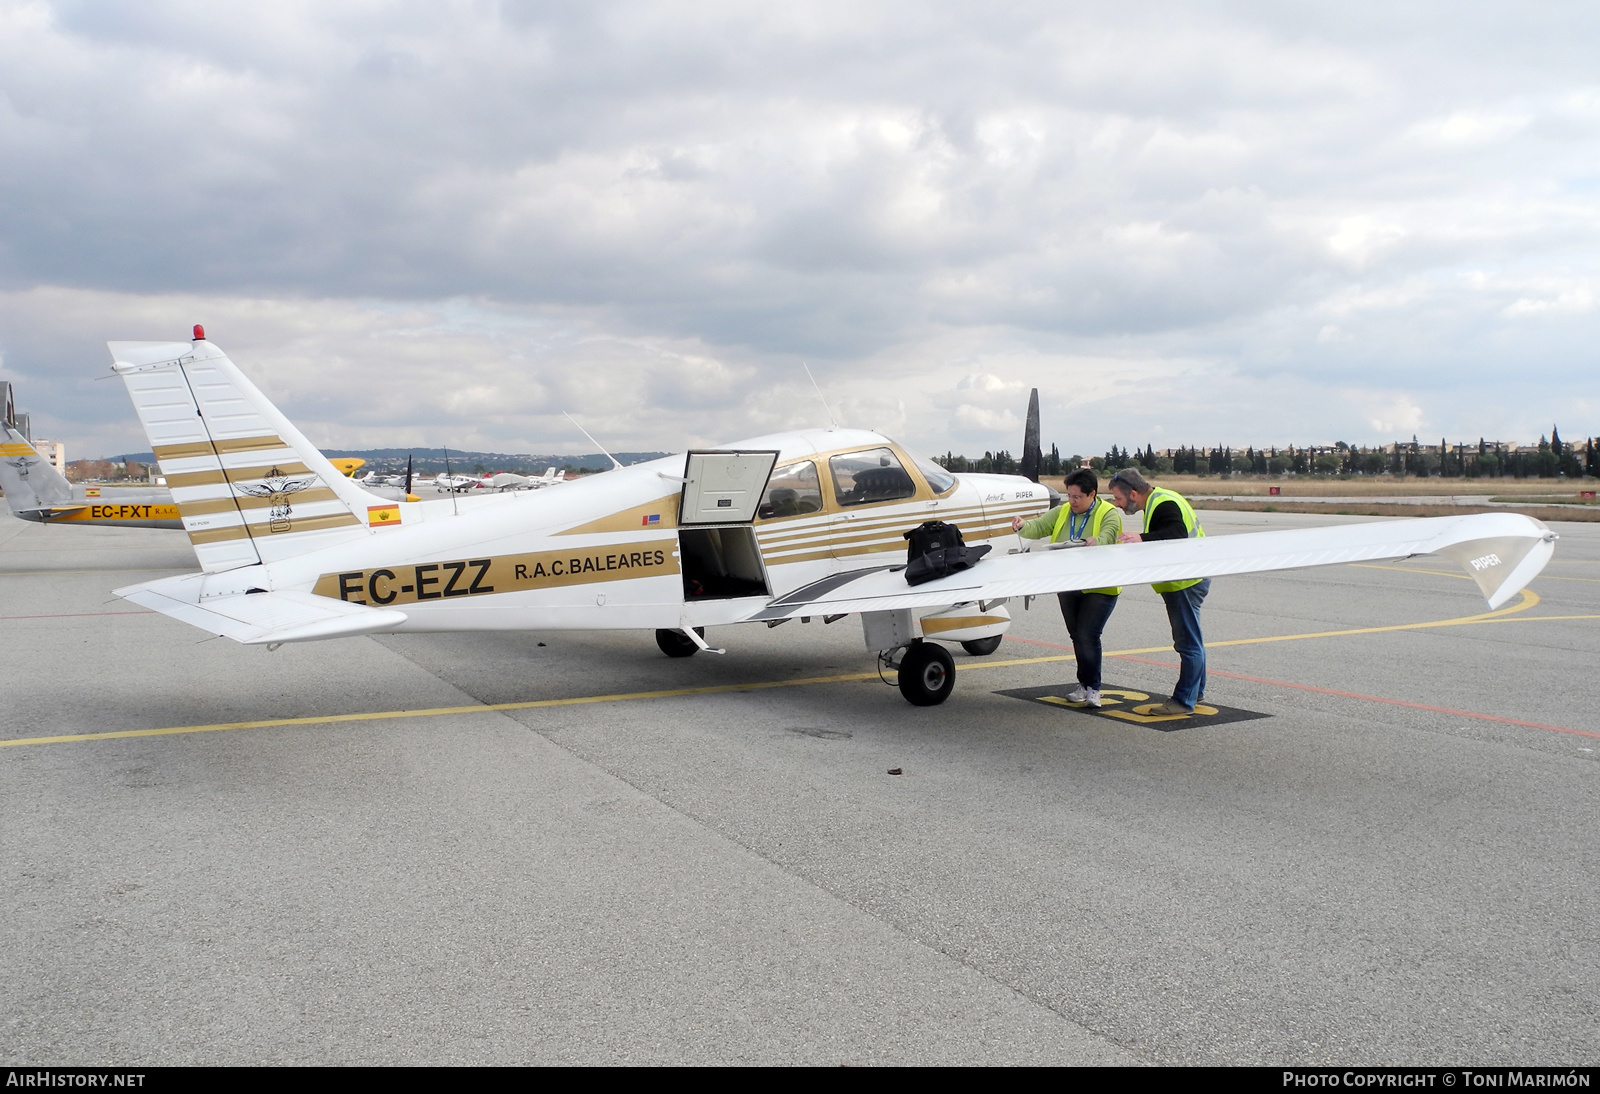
pixel 1089 519
pixel 1167 515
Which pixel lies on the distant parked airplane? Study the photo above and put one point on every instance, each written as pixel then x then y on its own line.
pixel 36 491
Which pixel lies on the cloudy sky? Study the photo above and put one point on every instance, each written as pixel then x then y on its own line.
pixel 439 223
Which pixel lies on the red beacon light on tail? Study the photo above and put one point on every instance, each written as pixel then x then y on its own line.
pixel 199 333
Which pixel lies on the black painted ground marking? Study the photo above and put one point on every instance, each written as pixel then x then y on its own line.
pixel 1128 704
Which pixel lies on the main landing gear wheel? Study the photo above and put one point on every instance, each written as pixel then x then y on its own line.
pixel 677 644
pixel 927 674
pixel 982 647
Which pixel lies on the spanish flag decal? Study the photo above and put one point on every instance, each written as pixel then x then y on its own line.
pixel 380 515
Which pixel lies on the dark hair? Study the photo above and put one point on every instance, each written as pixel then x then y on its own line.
pixel 1130 480
pixel 1084 480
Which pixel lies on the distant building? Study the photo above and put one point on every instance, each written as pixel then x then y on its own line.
pixel 55 452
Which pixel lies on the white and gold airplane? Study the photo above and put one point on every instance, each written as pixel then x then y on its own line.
pixel 802 524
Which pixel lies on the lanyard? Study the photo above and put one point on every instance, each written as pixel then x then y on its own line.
pixel 1074 528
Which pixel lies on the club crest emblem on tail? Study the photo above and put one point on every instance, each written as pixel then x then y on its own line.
pixel 277 487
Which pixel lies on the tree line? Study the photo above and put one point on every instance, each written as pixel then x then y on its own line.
pixel 1464 459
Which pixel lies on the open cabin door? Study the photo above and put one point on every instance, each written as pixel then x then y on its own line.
pixel 717 547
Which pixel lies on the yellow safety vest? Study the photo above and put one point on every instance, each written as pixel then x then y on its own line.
pixel 1190 521
pixel 1097 517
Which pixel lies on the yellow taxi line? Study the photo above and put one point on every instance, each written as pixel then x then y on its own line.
pixel 1529 599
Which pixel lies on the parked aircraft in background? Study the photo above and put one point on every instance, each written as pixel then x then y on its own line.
pixel 36 491
pixel 804 524
pixel 457 484
pixel 506 480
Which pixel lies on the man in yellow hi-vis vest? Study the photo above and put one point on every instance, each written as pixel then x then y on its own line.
pixel 1086 518
pixel 1167 515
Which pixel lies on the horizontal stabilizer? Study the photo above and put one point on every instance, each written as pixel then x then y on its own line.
pixel 260 618
pixel 48 512
pixel 1502 552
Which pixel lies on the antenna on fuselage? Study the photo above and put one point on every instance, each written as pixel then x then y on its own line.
pixel 615 465
pixel 824 402
pixel 455 506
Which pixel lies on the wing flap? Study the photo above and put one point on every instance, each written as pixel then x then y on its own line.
pixel 260 618
pixel 1501 551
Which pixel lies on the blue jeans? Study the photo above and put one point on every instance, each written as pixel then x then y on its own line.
pixel 1183 612
pixel 1086 615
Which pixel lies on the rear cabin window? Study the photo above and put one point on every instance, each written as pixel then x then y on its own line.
pixel 860 478
pixel 792 491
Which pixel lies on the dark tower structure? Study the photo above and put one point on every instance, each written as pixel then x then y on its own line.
pixel 1032 457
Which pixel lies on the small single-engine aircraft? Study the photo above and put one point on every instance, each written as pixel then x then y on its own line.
pixel 802 524
pixel 457 484
pixel 507 480
pixel 38 492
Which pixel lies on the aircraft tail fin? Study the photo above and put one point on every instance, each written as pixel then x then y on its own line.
pixel 33 487
pixel 250 487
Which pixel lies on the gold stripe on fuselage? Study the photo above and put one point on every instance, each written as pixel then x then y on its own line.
pixel 419 583
pixel 632 520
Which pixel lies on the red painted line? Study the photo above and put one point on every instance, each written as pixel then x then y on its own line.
pixel 1331 691
pixel 1036 642
pixel 72 615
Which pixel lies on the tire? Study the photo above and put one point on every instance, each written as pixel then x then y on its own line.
pixel 927 674
pixel 983 647
pixel 677 644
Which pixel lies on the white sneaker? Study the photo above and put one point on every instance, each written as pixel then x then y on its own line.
pixel 1092 697
pixel 1080 695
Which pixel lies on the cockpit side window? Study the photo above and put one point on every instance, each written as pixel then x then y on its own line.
pixel 792 491
pixel 860 478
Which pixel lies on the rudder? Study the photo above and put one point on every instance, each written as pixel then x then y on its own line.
pixel 249 486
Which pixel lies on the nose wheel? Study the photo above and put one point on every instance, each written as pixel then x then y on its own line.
pixel 927 674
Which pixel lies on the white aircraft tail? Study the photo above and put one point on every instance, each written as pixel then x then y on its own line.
pixel 248 484
pixel 33 487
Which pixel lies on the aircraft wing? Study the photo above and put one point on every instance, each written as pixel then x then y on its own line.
pixel 260 618
pixel 1501 551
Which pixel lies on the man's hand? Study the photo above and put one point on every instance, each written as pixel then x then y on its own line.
pixel 1130 537
pixel 1016 524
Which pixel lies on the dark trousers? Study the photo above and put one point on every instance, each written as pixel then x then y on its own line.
pixel 1183 612
pixel 1086 615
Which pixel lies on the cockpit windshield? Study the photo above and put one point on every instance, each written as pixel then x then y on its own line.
pixel 939 480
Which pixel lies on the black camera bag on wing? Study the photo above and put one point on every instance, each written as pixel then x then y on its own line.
pixel 935 549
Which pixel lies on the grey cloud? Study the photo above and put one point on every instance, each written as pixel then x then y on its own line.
pixel 850 183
